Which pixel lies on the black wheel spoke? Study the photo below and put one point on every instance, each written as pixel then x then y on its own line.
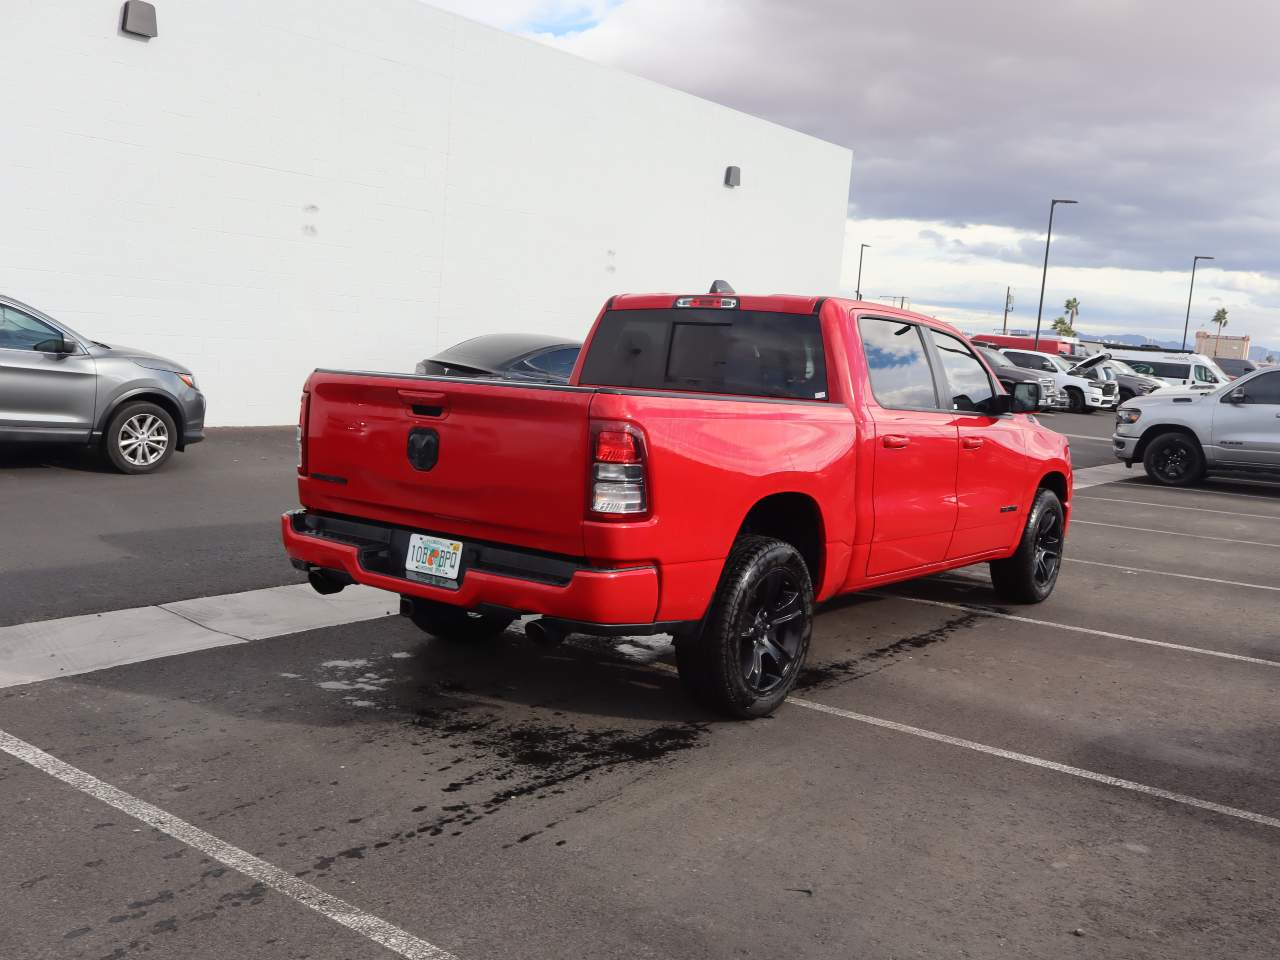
pixel 772 632
pixel 779 656
pixel 770 590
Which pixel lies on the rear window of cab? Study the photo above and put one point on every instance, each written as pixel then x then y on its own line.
pixel 747 353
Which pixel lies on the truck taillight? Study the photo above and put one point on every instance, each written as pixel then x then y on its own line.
pixel 303 409
pixel 618 475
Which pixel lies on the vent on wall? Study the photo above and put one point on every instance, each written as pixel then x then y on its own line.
pixel 138 18
pixel 732 176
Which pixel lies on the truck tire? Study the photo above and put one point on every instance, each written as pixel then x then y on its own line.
pixel 1126 396
pixel 1075 396
pixel 1174 459
pixel 745 657
pixel 1031 573
pixel 139 438
pixel 455 623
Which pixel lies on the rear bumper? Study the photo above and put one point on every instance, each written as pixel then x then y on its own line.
pixel 491 575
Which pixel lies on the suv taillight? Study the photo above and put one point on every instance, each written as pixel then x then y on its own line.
pixel 618 476
pixel 303 409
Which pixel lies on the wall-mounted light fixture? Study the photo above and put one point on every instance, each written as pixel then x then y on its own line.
pixel 732 176
pixel 138 18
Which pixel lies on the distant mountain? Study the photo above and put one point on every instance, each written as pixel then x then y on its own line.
pixel 1133 339
pixel 1255 353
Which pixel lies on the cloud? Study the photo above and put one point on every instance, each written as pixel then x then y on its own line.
pixel 1161 118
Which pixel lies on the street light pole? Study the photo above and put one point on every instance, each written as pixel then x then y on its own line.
pixel 1186 323
pixel 1008 302
pixel 858 291
pixel 1045 272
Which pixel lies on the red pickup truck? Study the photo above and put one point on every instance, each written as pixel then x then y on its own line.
pixel 715 466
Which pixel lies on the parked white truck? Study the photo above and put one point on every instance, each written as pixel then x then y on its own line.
pixel 1179 436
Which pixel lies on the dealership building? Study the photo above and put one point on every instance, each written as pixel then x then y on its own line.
pixel 266 187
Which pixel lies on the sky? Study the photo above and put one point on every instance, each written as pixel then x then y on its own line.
pixel 965 119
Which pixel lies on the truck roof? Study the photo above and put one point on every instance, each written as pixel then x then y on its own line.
pixel 774 303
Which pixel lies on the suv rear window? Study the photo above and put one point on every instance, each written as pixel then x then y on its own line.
pixel 739 352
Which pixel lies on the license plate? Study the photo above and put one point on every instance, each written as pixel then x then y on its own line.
pixel 433 556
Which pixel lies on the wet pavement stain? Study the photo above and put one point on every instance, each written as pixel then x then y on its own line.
pixel 820 675
pixel 517 760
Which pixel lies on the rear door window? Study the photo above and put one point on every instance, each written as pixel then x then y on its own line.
pixel 738 352
pixel 969 386
pixel 901 377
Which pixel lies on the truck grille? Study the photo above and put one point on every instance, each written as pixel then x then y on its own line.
pixel 1047 386
pixel 1108 389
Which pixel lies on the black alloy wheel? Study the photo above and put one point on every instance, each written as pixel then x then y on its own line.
pixel 1174 460
pixel 1048 548
pixel 1031 572
pixel 773 633
pixel 746 654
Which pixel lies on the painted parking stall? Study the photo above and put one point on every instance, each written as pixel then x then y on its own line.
pixel 1082 774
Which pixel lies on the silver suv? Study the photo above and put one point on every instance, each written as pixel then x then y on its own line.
pixel 1179 435
pixel 59 386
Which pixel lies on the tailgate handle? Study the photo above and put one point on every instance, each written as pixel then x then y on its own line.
pixel 896 442
pixel 423 403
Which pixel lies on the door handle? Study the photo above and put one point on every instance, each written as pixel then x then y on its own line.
pixel 971 443
pixel 895 441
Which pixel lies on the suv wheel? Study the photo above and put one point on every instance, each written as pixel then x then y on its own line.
pixel 1174 459
pixel 139 438
pixel 1076 400
pixel 1030 574
pixel 455 623
pixel 747 654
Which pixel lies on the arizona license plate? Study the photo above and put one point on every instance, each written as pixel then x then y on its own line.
pixel 433 556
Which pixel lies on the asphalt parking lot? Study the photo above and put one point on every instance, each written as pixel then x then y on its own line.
pixel 1096 776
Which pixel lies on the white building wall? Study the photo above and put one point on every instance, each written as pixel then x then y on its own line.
pixel 276 185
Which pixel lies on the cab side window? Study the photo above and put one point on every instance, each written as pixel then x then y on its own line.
pixel 1204 375
pixel 1263 389
pixel 899 366
pixel 968 383
pixel 21 332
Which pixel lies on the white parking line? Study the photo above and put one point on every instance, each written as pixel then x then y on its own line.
pixel 1217 493
pixel 1106 634
pixel 1081 436
pixel 1167 573
pixel 1083 774
pixel 339 911
pixel 1177 506
pixel 1176 533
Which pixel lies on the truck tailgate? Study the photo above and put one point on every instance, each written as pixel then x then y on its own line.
pixel 510 460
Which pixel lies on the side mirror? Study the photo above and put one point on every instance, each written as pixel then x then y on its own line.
pixel 1237 395
pixel 1026 397
pixel 56 345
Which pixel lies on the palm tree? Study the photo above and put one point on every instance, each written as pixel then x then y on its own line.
pixel 1220 318
pixel 1072 307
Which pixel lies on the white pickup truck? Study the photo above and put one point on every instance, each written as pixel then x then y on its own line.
pixel 1083 395
pixel 1179 436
